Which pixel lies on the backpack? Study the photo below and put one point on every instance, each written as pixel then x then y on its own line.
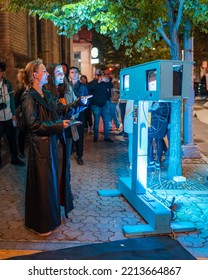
pixel 19 114
pixel 19 118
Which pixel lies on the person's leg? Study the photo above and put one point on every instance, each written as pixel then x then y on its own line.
pixel 10 133
pixel 114 114
pixel 159 143
pixel 80 144
pixel 1 134
pixel 105 117
pixel 96 114
pixel 90 118
pixel 108 113
pixel 11 138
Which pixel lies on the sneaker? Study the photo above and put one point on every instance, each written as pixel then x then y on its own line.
pixel 109 140
pixel 17 161
pixel 95 139
pixel 80 161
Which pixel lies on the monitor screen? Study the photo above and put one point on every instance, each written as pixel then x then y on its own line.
pixel 151 84
pixel 177 80
pixel 125 82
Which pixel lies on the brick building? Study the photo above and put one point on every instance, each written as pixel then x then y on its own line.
pixel 24 38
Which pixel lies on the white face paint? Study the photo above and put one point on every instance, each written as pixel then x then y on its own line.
pixel 59 75
pixel 41 75
pixel 73 75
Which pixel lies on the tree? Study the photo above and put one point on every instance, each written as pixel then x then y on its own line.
pixel 133 24
pixel 130 23
pixel 109 56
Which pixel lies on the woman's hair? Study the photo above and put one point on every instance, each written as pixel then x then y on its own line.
pixel 20 74
pixel 51 86
pixel 85 77
pixel 25 76
pixel 67 69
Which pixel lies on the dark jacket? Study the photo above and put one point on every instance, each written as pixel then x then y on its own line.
pixel 11 95
pixel 42 118
pixel 99 92
pixel 18 96
pixel 79 90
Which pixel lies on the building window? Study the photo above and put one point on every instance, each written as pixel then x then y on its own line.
pixel 77 59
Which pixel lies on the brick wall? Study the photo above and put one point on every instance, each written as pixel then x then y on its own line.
pixel 18 43
pixel 18 32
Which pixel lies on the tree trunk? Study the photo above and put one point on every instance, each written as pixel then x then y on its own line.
pixel 175 165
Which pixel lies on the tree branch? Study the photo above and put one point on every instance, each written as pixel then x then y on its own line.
pixel 162 33
pixel 180 14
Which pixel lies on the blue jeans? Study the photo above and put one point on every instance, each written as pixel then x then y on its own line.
pixel 103 112
pixel 159 149
pixel 114 114
pixel 108 105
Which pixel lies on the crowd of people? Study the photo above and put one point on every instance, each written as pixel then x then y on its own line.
pixel 58 106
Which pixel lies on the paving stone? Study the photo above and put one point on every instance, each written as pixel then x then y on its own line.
pixel 100 219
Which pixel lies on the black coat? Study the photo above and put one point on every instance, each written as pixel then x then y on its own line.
pixel 42 205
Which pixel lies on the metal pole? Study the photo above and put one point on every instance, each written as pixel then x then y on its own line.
pixel 189 150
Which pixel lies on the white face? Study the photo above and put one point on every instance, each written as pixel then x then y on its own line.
pixel 59 75
pixel 41 75
pixel 73 75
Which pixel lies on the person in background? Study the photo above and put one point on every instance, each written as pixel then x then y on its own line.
pixel 108 79
pixel 99 89
pixel 60 88
pixel 17 98
pixel 160 113
pixel 66 70
pixel 114 104
pixel 7 117
pixel 79 89
pixel 88 111
pixel 83 79
pixel 43 117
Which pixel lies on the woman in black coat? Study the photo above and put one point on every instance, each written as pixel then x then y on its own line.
pixel 42 115
pixel 58 85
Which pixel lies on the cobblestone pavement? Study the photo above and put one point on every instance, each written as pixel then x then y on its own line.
pixel 97 218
